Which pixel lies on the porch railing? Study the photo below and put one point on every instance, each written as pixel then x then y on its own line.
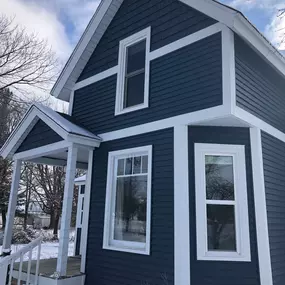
pixel 7 264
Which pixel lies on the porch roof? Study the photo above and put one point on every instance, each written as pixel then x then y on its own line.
pixel 63 126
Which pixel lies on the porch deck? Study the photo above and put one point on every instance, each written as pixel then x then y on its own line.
pixel 48 267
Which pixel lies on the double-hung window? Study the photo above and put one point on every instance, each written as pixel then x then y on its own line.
pixel 133 73
pixel 221 203
pixel 128 200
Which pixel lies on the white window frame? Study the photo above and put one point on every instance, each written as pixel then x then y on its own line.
pixel 120 92
pixel 241 203
pixel 108 242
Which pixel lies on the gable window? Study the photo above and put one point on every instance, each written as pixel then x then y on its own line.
pixel 128 200
pixel 133 74
pixel 221 203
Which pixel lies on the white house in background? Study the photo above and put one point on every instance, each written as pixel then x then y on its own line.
pixel 37 217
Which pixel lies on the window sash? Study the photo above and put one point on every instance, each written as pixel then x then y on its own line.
pixel 123 76
pixel 242 252
pixel 109 241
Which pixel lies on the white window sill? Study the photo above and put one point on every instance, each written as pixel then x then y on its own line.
pixel 131 109
pixel 224 256
pixel 128 250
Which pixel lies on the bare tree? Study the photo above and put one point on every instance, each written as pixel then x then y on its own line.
pixel 49 189
pixel 25 60
pixel 10 114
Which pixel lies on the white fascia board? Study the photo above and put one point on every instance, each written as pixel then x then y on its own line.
pixel 249 33
pixel 83 43
pixel 42 151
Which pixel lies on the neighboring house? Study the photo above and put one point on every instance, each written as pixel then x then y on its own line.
pixel 177 112
pixel 37 217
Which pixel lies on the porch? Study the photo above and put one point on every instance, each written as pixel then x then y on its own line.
pixel 47 137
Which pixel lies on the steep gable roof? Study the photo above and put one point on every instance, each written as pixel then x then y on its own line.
pixel 106 11
pixel 59 123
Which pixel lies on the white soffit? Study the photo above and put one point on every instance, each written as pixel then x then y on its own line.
pixel 106 11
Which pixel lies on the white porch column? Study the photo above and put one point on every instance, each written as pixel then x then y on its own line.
pixel 66 210
pixel 85 224
pixel 12 206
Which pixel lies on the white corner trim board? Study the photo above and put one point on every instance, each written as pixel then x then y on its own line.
pixel 181 206
pixel 260 208
pixel 228 62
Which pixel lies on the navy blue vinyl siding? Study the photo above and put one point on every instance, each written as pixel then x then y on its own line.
pixel 187 80
pixel 107 267
pixel 170 20
pixel 40 135
pixel 260 88
pixel 215 272
pixel 274 170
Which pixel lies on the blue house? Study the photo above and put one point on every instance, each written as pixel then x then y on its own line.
pixel 177 112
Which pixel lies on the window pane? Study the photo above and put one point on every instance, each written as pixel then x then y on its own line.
pixel 129 166
pixel 221 228
pixel 130 212
pixel 134 90
pixel 137 164
pixel 121 165
pixel 136 57
pixel 219 177
pixel 145 164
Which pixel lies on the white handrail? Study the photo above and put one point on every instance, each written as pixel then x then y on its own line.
pixel 7 263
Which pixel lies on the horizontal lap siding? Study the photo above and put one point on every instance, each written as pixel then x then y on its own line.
pixel 187 80
pixel 170 20
pixel 215 272
pixel 274 175
pixel 106 267
pixel 40 135
pixel 260 89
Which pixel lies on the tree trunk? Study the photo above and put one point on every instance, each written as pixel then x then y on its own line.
pixel 3 213
pixel 55 229
pixel 26 216
pixel 52 220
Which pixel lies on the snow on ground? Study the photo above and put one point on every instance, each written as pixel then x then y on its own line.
pixel 48 250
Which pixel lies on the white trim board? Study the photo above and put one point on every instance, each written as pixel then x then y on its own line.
pixel 253 121
pixel 183 42
pixel 262 234
pixel 107 10
pixel 181 207
pixel 185 119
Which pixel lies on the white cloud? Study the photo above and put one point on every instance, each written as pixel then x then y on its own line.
pixel 275 29
pixel 60 22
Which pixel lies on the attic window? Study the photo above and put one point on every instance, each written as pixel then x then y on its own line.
pixel 133 75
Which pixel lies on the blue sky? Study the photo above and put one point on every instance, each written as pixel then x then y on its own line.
pixel 62 22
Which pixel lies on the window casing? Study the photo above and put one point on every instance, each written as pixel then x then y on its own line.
pixel 128 201
pixel 133 74
pixel 222 222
